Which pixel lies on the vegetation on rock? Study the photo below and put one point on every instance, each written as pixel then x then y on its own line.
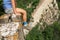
pixel 51 32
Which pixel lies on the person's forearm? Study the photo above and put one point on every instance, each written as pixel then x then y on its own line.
pixel 13 5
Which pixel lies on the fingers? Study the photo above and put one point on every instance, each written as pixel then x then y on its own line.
pixel 18 14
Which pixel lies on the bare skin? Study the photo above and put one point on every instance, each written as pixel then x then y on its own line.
pixel 19 11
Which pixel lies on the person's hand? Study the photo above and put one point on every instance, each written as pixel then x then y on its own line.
pixel 17 13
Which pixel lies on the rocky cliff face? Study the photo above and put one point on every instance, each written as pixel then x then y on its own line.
pixel 47 13
pixel 51 13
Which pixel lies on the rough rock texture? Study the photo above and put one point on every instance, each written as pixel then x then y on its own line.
pixel 46 13
pixel 50 14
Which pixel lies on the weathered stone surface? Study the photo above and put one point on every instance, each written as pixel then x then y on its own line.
pixel 51 14
pixel 48 11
